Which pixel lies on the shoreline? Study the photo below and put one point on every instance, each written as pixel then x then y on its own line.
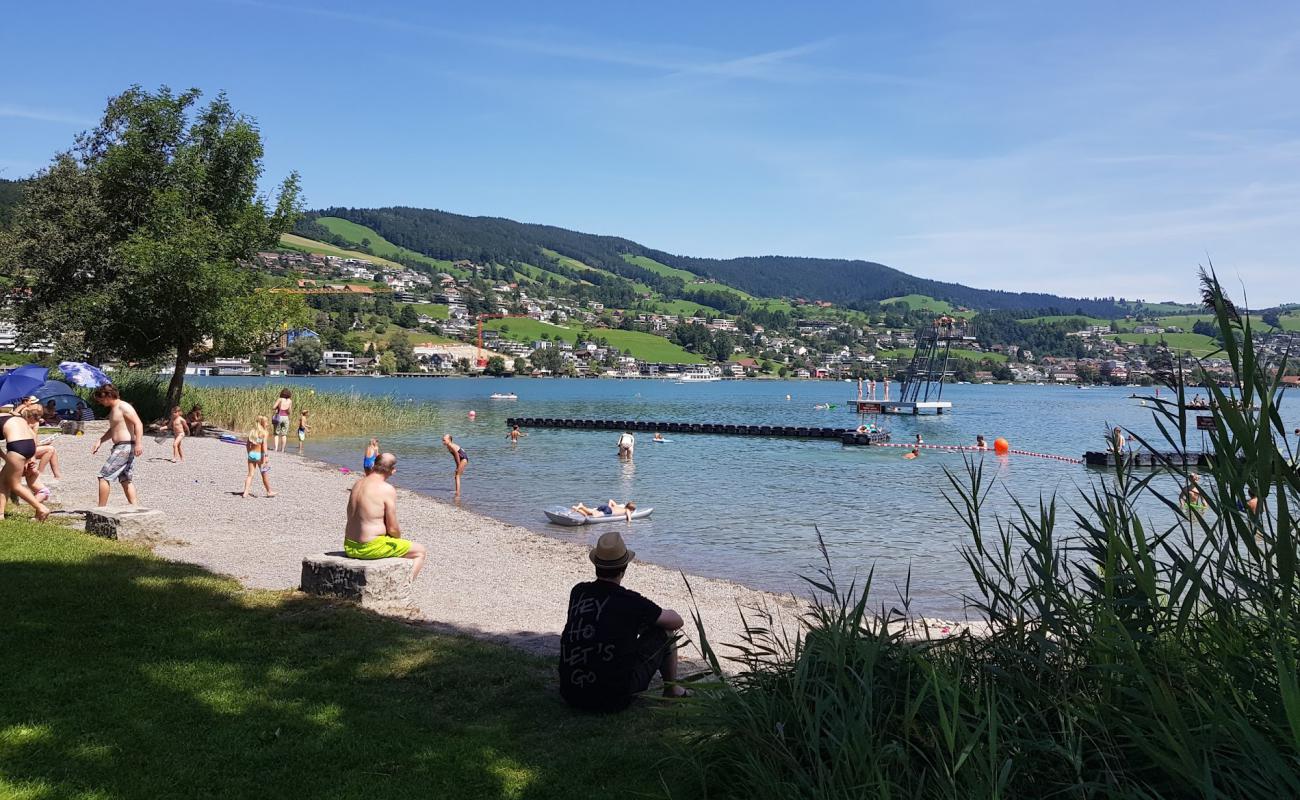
pixel 483 577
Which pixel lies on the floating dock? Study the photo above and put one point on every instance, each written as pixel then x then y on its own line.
pixel 1146 458
pixel 848 437
pixel 898 407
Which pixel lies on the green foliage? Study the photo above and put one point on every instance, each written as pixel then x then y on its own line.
pixel 496 366
pixel 138 242
pixel 387 363
pixel 1122 658
pixel 305 354
pixel 289 695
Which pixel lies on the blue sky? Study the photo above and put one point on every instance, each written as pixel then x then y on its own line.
pixel 1087 149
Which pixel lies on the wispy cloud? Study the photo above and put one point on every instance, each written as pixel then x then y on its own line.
pixel 777 65
pixel 8 111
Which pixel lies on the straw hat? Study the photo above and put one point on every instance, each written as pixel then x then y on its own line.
pixel 611 552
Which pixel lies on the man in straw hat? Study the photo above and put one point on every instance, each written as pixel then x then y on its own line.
pixel 615 640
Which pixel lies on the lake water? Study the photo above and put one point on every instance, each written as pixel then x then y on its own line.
pixel 746 508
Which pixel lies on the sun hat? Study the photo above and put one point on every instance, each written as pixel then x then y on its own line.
pixel 611 552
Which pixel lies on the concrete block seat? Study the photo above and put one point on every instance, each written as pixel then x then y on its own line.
pixel 378 583
pixel 127 523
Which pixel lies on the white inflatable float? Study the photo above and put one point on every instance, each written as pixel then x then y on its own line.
pixel 563 515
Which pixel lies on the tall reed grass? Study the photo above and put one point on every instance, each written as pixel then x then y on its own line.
pixel 1122 658
pixel 236 407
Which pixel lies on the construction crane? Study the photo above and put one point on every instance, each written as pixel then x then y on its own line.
pixel 479 359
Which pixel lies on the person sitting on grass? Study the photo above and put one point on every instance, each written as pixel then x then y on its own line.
pixel 372 530
pixel 607 509
pixel 195 420
pixel 615 640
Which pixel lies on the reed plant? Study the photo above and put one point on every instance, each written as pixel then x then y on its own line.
pixel 236 407
pixel 1111 655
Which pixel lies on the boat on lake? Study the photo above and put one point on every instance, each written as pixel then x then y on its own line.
pixel 698 376
pixel 503 396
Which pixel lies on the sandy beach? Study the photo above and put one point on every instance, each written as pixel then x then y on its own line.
pixel 483 577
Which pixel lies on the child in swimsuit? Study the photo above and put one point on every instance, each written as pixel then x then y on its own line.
pixel 303 427
pixel 257 460
pixel 179 428
pixel 372 453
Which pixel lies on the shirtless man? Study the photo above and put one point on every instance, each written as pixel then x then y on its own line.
pixel 514 434
pixel 372 530
pixel 126 432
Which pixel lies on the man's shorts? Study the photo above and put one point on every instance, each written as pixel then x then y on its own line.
pixel 280 426
pixel 650 648
pixel 120 464
pixel 379 547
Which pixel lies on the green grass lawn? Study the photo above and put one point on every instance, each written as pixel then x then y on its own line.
pixel 661 269
pixel 539 274
pixel 1195 343
pixel 126 676
pixel 435 310
pixel 303 244
pixel 380 246
pixel 573 263
pixel 922 301
pixel 684 308
pixel 1063 317
pixel 645 346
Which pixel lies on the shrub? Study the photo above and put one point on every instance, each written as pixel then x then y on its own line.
pixel 1122 659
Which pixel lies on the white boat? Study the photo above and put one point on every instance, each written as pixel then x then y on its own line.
pixel 503 396
pixel 698 376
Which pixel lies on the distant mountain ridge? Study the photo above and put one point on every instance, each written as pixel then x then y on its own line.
pixel 851 283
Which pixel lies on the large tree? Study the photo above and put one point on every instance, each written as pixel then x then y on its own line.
pixel 138 243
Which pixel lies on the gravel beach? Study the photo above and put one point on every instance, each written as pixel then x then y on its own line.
pixel 482 577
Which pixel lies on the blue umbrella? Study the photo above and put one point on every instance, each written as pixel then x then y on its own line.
pixel 21 383
pixel 85 375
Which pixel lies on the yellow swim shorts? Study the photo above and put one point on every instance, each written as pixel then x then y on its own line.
pixel 379 547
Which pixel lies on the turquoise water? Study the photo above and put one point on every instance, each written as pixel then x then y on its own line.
pixel 745 508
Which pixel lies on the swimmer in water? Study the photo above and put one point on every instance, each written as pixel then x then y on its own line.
pixel 514 434
pixel 914 453
pixel 980 444
pixel 659 437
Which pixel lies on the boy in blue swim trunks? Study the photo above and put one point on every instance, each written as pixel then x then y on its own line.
pixel 372 530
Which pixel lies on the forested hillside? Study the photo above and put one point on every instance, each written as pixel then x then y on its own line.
pixel 851 283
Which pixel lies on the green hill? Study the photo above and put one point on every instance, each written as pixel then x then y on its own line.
pixel 445 237
pixel 290 241
pixel 360 234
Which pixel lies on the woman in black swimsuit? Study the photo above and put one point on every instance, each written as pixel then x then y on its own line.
pixel 20 447
pixel 458 453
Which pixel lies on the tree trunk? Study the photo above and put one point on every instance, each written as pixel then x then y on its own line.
pixel 177 384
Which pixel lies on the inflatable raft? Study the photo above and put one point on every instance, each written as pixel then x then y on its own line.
pixel 563 515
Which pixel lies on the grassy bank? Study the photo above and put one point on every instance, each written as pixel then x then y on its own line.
pixel 236 407
pixel 1127 658
pixel 175 682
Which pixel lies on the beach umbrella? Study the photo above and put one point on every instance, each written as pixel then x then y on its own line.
pixel 22 382
pixel 53 389
pixel 87 376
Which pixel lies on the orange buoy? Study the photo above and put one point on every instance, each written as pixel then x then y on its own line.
pixel 1001 446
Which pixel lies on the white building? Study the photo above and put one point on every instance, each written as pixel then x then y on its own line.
pixel 339 360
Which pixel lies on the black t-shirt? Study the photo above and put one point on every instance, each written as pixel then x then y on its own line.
pixel 598 646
